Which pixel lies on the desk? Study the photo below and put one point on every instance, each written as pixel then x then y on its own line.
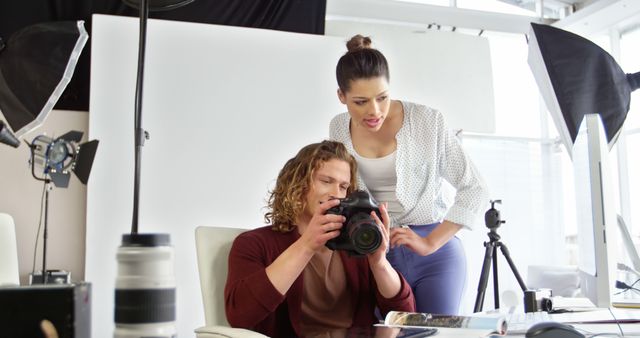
pixel 600 321
pixel 577 319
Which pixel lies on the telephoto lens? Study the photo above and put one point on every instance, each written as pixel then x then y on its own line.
pixel 145 294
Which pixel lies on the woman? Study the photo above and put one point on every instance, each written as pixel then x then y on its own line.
pixel 404 153
pixel 283 281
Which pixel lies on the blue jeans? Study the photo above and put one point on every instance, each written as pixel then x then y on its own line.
pixel 437 280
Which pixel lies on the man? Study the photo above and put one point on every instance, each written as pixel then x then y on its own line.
pixel 283 281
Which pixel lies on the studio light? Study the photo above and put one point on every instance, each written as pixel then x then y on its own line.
pixel 57 158
pixel 63 155
pixel 576 77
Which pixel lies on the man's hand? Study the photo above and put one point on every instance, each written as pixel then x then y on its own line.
pixel 386 277
pixel 380 256
pixel 48 329
pixel 322 227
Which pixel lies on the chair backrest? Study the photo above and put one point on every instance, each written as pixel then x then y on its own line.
pixel 212 246
pixel 9 273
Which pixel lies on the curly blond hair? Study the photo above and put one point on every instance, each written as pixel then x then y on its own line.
pixel 288 199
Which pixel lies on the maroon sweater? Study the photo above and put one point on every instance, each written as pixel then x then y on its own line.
pixel 252 302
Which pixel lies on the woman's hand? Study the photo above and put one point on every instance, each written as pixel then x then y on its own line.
pixel 409 238
pixel 425 245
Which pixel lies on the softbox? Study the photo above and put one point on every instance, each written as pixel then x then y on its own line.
pixel 576 77
pixel 35 67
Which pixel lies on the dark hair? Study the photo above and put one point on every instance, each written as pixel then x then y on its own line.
pixel 288 199
pixel 360 62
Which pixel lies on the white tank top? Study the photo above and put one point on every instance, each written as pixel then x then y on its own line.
pixel 379 174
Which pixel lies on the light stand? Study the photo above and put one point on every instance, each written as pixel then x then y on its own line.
pixel 145 261
pixel 59 157
pixel 493 221
pixel 45 232
pixel 139 133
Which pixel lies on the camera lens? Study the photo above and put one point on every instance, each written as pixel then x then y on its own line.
pixel 365 238
pixel 364 233
pixel 145 294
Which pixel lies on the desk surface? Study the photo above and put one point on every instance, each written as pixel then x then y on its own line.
pixel 601 321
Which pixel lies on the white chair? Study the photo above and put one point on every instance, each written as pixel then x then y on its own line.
pixel 9 273
pixel 212 246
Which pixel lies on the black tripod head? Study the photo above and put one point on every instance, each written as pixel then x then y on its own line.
pixel 492 216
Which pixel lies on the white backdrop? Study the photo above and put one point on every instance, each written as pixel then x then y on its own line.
pixel 225 107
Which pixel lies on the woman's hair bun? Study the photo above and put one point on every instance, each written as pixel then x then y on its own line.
pixel 358 42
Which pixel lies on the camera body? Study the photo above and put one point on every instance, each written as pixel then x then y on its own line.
pixel 360 234
pixel 537 300
pixel 492 216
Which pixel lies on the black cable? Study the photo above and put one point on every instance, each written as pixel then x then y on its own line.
pixel 35 250
pixel 634 283
pixel 616 319
pixel 625 287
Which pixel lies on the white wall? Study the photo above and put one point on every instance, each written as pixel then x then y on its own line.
pixel 20 196
pixel 225 107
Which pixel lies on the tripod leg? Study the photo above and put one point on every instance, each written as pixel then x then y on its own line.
pixel 496 289
pixel 484 275
pixel 505 253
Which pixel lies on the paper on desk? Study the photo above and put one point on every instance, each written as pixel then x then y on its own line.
pixel 597 315
pixel 462 326
pixel 572 304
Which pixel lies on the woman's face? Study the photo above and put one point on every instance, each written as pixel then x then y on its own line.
pixel 368 102
pixel 329 181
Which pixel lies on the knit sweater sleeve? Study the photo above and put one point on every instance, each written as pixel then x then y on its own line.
pixel 403 301
pixel 249 294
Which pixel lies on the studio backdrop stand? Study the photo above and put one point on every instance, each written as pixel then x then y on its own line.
pixel 493 221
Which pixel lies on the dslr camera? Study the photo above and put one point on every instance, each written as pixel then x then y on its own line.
pixel 538 300
pixel 360 234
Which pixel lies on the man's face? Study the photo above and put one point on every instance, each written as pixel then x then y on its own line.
pixel 329 181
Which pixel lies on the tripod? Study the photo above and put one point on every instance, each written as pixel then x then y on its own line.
pixel 493 221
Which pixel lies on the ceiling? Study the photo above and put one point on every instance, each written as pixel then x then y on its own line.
pixel 584 17
pixel 553 8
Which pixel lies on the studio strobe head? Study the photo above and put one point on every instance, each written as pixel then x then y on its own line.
pixel 145 294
